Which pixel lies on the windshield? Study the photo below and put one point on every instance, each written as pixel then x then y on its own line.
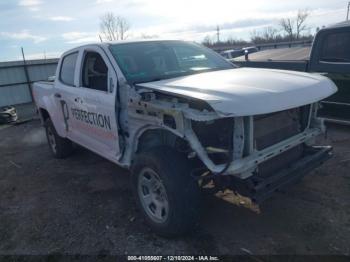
pixel 155 60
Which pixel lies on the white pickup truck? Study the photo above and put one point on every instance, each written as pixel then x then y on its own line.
pixel 180 116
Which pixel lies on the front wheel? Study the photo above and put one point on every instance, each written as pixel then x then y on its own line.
pixel 166 193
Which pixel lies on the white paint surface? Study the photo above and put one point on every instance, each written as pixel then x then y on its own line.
pixel 250 91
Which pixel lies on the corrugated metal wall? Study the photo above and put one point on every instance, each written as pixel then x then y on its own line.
pixel 14 86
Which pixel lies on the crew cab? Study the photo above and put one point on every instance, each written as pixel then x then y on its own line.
pixel 329 56
pixel 180 117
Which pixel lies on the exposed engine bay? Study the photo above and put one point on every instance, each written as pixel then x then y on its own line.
pixel 249 140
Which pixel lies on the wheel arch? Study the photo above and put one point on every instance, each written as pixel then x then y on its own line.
pixel 157 136
pixel 44 114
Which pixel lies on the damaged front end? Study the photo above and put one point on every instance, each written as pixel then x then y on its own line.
pixel 268 153
pixel 252 155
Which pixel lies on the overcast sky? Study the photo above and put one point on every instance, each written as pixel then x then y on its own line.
pixel 49 27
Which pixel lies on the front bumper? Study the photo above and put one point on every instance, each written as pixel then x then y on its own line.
pixel 259 189
pixel 244 168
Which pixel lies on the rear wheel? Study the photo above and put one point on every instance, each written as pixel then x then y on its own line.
pixel 59 146
pixel 166 193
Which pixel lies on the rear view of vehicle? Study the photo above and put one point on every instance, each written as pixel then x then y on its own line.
pixel 230 54
pixel 8 114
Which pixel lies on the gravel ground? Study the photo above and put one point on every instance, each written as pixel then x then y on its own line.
pixel 83 205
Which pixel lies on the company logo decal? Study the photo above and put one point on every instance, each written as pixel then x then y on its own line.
pixel 92 118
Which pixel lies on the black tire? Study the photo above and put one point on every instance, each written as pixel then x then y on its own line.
pixel 60 147
pixel 182 191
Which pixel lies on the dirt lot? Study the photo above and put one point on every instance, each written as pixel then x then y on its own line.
pixel 83 205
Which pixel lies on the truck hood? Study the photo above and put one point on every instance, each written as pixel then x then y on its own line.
pixel 249 91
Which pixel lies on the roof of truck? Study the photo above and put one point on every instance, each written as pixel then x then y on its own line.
pixel 138 41
pixel 107 44
pixel 341 24
pixel 131 41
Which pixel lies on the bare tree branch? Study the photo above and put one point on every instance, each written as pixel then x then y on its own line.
pixel 294 27
pixel 287 25
pixel 300 22
pixel 114 27
pixel 267 35
pixel 207 41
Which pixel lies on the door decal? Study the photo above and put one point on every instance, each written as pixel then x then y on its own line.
pixel 92 118
pixel 65 113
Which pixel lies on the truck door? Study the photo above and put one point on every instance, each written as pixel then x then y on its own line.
pixel 95 106
pixel 331 55
pixel 64 91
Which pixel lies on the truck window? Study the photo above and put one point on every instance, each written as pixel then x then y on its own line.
pixel 154 60
pixel 95 72
pixel 68 69
pixel 335 48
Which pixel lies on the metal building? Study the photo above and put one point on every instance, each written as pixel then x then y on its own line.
pixel 17 77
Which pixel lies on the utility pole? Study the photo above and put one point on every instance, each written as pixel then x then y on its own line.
pixel 26 73
pixel 100 38
pixel 347 16
pixel 218 33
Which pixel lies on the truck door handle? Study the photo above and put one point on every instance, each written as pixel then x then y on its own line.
pixel 58 95
pixel 78 100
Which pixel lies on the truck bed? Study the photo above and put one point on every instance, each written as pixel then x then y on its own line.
pixel 42 89
pixel 296 59
pixel 283 65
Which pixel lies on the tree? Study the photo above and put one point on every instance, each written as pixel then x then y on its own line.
pixel 267 35
pixel 114 27
pixel 287 25
pixel 207 41
pixel 294 27
pixel 300 22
